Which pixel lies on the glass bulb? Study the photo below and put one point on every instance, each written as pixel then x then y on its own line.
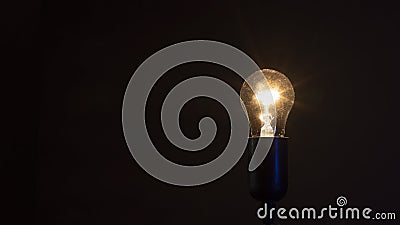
pixel 269 105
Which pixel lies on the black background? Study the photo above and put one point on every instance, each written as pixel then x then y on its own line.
pixel 69 64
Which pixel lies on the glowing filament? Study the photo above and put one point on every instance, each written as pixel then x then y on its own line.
pixel 267 98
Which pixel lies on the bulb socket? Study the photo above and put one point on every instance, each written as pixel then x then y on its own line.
pixel 269 181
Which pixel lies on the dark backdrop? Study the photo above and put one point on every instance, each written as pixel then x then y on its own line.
pixel 71 62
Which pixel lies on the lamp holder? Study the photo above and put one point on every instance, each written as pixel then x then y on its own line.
pixel 269 181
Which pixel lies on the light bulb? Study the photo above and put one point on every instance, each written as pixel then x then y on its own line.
pixel 267 97
pixel 269 105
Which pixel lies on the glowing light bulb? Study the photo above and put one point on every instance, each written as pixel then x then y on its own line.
pixel 269 105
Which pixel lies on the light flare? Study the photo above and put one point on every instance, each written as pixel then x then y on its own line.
pixel 267 98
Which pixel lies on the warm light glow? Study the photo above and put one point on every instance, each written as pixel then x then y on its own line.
pixel 267 98
pixel 275 95
pixel 268 105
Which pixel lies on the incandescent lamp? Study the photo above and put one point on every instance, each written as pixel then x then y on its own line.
pixel 267 106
